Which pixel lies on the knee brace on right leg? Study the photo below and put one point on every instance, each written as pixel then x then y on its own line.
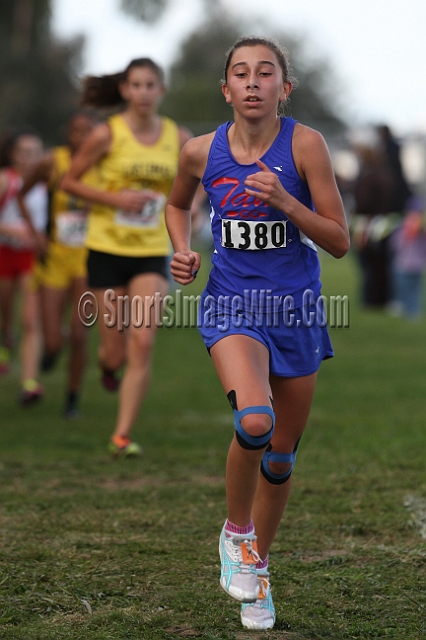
pixel 244 439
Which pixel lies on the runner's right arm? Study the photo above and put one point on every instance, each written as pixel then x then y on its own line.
pixel 95 147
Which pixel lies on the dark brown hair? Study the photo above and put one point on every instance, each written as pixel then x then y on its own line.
pixel 9 142
pixel 103 91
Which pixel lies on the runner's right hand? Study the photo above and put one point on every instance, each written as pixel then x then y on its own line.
pixel 133 201
pixel 184 266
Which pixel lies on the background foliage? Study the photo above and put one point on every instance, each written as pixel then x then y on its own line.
pixel 194 96
pixel 40 74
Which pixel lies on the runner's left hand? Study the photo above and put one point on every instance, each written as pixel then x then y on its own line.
pixel 266 186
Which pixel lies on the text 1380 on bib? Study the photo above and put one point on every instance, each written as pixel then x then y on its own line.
pixel 252 235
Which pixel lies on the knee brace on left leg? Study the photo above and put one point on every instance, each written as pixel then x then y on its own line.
pixel 283 458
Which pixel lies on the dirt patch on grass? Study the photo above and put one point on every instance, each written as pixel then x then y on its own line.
pixel 324 555
pixel 269 635
pixel 183 632
pixel 61 487
pixel 140 483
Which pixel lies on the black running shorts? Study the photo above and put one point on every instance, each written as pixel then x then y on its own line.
pixel 108 270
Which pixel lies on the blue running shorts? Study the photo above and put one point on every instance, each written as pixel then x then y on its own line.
pixel 297 339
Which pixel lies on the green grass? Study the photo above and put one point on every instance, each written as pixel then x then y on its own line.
pixel 99 549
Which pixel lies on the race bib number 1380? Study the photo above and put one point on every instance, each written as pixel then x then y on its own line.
pixel 252 235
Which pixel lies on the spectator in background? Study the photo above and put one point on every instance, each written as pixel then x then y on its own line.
pixel 373 222
pixel 409 261
pixel 390 148
pixel 21 237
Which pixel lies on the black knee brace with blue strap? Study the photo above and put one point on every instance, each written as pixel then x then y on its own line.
pixel 244 439
pixel 275 456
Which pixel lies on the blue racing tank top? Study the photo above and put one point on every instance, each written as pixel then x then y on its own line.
pixel 255 245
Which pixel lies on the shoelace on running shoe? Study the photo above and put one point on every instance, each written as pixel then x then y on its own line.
pixel 236 552
pixel 263 588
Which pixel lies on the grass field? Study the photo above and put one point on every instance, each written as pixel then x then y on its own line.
pixel 98 549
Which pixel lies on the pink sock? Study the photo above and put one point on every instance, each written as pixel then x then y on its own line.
pixel 262 564
pixel 230 527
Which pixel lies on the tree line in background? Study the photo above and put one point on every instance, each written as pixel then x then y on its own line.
pixel 37 71
pixel 194 96
pixel 39 74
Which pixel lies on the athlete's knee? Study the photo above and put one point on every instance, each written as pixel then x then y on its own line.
pixel 30 323
pixel 277 467
pixel 140 345
pixel 53 344
pixel 112 358
pixel 78 340
pixel 254 425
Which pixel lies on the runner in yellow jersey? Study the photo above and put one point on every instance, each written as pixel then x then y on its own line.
pixel 61 274
pixel 136 153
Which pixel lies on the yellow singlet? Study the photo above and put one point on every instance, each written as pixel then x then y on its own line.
pixel 133 165
pixel 66 255
pixel 68 214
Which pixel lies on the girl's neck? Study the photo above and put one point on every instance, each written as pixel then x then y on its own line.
pixel 146 128
pixel 249 140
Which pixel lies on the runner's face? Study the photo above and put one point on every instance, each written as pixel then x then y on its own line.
pixel 26 153
pixel 143 90
pixel 78 130
pixel 254 84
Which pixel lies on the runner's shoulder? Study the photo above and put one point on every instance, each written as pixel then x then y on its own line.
pixel 195 153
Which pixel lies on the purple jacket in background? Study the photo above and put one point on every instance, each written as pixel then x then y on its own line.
pixel 409 254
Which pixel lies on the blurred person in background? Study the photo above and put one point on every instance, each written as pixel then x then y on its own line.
pixel 136 154
pixel 61 273
pixel 373 222
pixel 392 156
pixel 409 261
pixel 21 237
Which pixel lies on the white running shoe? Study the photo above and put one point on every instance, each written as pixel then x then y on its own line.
pixel 238 555
pixel 260 614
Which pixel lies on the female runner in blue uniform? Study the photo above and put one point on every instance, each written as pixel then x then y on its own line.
pixel 273 195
